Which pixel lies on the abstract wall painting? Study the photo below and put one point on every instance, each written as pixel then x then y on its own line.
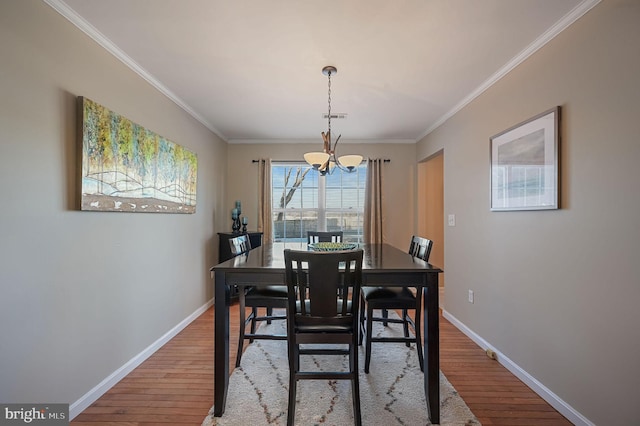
pixel 127 168
pixel 524 164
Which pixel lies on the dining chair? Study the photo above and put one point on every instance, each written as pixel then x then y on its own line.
pixel 324 290
pixel 400 298
pixel 324 237
pixel 269 297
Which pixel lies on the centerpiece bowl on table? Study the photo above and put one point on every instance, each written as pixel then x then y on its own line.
pixel 332 246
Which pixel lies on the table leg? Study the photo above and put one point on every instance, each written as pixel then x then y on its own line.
pixel 432 348
pixel 221 342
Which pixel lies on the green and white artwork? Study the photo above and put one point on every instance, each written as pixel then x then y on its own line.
pixel 127 168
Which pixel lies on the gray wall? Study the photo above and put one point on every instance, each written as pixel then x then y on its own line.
pixel 81 293
pixel 557 292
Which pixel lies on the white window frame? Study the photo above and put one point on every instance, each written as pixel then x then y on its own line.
pixel 321 210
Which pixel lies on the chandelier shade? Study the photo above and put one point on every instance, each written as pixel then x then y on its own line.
pixel 326 161
pixel 316 159
pixel 350 161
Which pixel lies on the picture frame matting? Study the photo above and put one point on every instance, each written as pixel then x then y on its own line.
pixel 524 164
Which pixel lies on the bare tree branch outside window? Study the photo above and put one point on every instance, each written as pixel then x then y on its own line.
pixel 288 191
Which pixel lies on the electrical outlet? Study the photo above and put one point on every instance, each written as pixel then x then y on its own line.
pixel 470 296
pixel 452 220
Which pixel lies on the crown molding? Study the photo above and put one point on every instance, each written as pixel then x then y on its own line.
pixel 575 14
pixel 63 9
pixel 343 141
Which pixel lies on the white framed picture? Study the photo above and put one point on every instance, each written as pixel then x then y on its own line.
pixel 524 164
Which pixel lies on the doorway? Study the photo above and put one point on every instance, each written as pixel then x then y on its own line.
pixel 430 190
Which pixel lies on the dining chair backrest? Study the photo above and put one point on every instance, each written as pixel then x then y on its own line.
pixel 420 248
pixel 240 244
pixel 322 314
pixel 323 287
pixel 324 237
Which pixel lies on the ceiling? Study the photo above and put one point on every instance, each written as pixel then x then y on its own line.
pixel 251 69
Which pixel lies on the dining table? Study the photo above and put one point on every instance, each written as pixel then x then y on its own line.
pixel 383 265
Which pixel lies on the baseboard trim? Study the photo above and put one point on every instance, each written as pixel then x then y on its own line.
pixel 554 400
pixel 101 388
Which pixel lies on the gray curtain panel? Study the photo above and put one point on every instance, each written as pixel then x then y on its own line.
pixel 265 221
pixel 373 202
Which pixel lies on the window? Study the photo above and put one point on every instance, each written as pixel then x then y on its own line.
pixel 305 201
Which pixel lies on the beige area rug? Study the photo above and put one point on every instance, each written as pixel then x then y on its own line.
pixel 391 394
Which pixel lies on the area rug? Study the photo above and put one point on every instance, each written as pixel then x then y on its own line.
pixel 391 394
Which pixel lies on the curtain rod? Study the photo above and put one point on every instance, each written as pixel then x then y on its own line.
pixel 386 160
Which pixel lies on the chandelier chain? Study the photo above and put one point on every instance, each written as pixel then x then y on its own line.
pixel 325 162
pixel 329 100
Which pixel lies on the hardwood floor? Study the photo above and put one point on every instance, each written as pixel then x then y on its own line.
pixel 175 385
pixel 492 393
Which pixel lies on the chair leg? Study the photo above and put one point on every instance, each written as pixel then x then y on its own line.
pixel 361 323
pixel 254 313
pixel 293 370
pixel 405 325
pixel 269 313
pixel 242 325
pixel 385 315
pixel 355 386
pixel 291 410
pixel 416 322
pixel 367 356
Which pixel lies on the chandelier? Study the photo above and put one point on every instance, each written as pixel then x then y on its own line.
pixel 326 161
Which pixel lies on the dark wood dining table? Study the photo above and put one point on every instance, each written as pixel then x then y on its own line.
pixel 383 265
